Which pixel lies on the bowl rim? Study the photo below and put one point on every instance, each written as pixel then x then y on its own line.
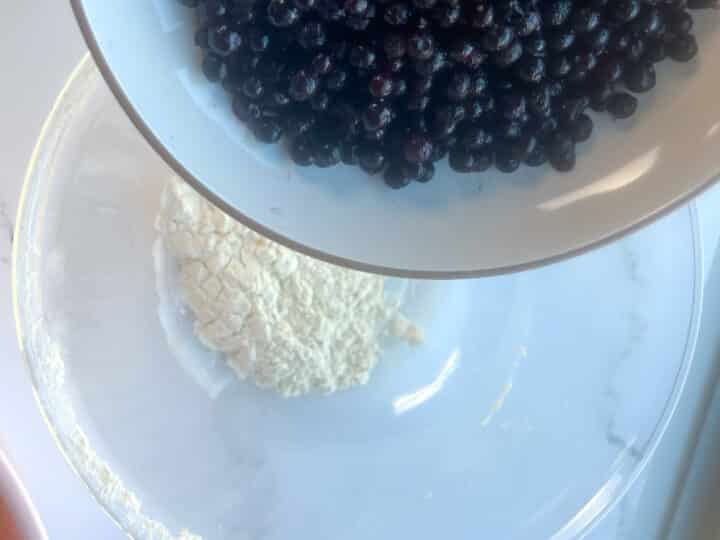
pixel 138 121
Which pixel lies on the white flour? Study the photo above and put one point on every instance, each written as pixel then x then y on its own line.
pixel 290 322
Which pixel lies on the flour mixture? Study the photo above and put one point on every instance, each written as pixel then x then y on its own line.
pixel 288 321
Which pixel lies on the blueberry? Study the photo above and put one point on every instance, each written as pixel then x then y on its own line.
pixel 356 7
pixel 446 15
pixel 585 19
pixel 327 154
pixel 497 37
pixel 621 105
pixel 335 81
pixel 214 67
pixel 319 101
pixel 395 46
pixel 349 153
pixel 223 40
pixel 301 151
pixel 461 160
pixel 458 86
pixel 312 35
pixel 556 12
pixel 683 48
pixel 397 14
pixel 303 85
pixel 380 86
pixel 253 88
pixel 267 130
pixel 505 163
pixel 537 156
pixel 417 149
pixel 421 46
pixel 561 152
pixel 371 159
pixel 509 54
pixel 361 57
pixel 475 137
pixel 581 129
pixel 282 13
pixel 640 77
pixel 530 69
pixel 427 172
pixel 395 177
pixel 245 110
pixel 376 116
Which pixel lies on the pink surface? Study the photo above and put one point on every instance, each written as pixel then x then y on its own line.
pixel 18 517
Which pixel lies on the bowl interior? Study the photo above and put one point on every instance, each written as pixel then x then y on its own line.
pixel 457 224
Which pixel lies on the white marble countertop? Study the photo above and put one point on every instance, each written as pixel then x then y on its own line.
pixel 39 45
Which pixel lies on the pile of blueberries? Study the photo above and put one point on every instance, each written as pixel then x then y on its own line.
pixel 395 85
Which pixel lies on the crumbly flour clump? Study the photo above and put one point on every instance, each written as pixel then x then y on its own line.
pixel 288 321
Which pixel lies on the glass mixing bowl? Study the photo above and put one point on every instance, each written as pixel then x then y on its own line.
pixel 534 403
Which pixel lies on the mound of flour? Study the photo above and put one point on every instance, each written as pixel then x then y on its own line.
pixel 288 321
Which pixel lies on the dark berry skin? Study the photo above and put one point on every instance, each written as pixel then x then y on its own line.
pixel 530 69
pixel 397 14
pixel 267 130
pixel 327 155
pixel 312 35
pixel 561 152
pixel 536 157
pixel 371 159
pixel 395 85
pixel 459 86
pixel 597 41
pixel 640 77
pixel 461 160
pixel 624 11
pixel 376 116
pixel 303 85
pixel 361 57
pixel 421 46
pixel 281 13
pixel 509 55
pixel 380 86
pixel 395 46
pixel 349 153
pixel 497 38
pixel 395 176
pixel 609 70
pixel 427 172
pixel 245 110
pixel 223 40
pixel 301 151
pixel 584 20
pixel 621 105
pixel 556 12
pixel 335 81
pixel 505 163
pixel 683 48
pixel 214 67
pixel 561 40
pixel 581 129
pixel 475 137
pixel 417 149
pixel 446 16
pixel 253 88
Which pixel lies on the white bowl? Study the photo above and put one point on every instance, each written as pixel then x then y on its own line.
pixel 458 225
